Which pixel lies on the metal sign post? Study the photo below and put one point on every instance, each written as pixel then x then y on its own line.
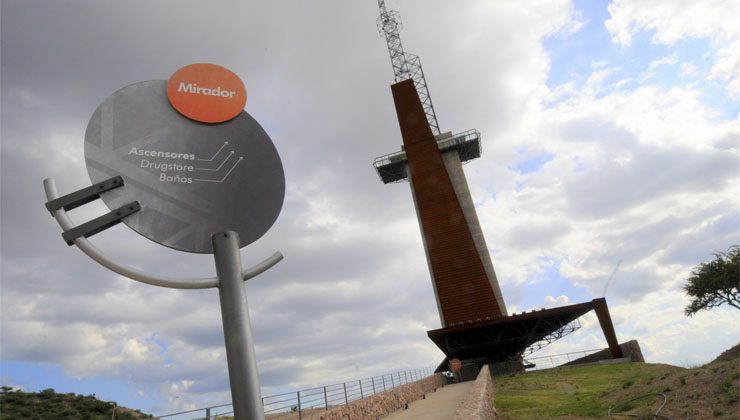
pixel 240 357
pixel 181 163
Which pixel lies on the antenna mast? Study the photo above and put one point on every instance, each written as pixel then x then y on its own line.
pixel 405 65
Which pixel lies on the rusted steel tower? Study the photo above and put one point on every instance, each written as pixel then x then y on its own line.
pixel 475 324
pixel 463 277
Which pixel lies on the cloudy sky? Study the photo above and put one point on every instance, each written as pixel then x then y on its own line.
pixel 610 138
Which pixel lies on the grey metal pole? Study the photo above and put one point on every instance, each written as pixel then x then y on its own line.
pixel 240 357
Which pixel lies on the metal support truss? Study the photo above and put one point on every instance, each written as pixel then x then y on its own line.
pixel 510 341
pixel 405 65
pixel 505 342
pixel 553 336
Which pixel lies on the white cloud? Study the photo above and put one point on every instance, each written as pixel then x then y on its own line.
pixel 727 67
pixel 552 302
pixel 638 176
pixel 658 62
pixel 597 78
pixel 688 70
pixel 674 21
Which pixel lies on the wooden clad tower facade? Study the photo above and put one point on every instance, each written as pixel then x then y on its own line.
pixel 464 288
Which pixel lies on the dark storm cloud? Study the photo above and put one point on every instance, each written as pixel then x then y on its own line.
pixel 51 47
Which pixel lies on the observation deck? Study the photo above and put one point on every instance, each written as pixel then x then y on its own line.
pixel 490 341
pixel 392 167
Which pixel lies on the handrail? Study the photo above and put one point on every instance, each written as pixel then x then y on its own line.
pixel 317 398
pixel 454 139
pixel 540 362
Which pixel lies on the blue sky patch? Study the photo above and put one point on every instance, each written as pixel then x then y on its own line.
pixel 552 283
pixel 575 57
pixel 34 377
pixel 533 164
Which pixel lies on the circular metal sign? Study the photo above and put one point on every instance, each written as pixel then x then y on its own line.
pixel 192 179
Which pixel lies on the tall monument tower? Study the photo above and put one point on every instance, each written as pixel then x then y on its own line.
pixel 463 277
pixel 476 327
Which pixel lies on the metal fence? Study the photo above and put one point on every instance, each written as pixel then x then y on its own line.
pixel 555 360
pixel 294 405
pixel 537 363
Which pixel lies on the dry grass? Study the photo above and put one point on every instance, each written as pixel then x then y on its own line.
pixel 705 392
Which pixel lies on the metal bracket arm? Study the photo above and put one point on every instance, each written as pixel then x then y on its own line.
pixel 101 223
pixel 84 196
pixel 60 215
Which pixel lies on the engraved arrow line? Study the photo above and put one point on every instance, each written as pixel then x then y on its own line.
pixel 225 176
pixel 219 166
pixel 217 152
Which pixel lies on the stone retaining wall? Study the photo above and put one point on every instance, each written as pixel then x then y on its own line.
pixel 382 404
pixel 478 405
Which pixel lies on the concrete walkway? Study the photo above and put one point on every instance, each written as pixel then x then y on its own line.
pixel 438 405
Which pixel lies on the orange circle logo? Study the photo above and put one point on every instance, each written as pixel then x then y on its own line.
pixel 207 93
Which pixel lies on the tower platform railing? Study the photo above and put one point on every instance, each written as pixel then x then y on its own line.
pixel 392 167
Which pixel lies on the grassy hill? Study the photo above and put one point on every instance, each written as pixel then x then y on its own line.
pixel 47 404
pixel 631 390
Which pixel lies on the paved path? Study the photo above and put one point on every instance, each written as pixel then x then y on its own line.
pixel 438 405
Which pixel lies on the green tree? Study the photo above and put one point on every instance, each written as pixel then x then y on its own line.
pixel 715 283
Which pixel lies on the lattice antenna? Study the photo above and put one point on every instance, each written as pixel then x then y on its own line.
pixel 405 65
